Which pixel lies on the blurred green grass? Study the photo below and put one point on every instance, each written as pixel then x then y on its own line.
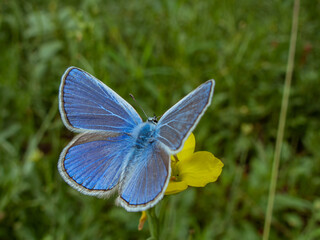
pixel 159 51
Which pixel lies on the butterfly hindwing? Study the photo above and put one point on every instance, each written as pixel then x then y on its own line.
pixel 145 178
pixel 177 123
pixel 92 162
pixel 88 104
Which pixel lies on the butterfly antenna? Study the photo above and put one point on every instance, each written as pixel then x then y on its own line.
pixel 138 104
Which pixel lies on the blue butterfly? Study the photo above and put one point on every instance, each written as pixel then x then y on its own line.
pixel 116 150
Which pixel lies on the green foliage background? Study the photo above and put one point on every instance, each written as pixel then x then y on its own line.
pixel 159 51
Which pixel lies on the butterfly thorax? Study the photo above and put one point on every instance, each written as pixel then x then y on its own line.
pixel 145 135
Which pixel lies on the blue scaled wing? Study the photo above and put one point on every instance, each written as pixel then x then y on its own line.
pixel 145 179
pixel 92 162
pixel 177 123
pixel 86 103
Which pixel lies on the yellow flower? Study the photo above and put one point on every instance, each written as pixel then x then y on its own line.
pixel 195 169
pixel 189 168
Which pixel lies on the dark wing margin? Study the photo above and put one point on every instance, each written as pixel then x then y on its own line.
pixel 86 103
pixel 179 121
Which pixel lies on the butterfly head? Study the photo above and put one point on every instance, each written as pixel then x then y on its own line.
pixel 153 120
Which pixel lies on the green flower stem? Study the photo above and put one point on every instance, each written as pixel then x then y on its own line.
pixel 282 120
pixel 153 222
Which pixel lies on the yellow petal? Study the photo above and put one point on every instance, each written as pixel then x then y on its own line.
pixel 188 148
pixel 200 169
pixel 175 187
pixel 142 220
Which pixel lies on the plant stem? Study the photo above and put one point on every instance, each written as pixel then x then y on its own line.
pixel 153 223
pixel 282 120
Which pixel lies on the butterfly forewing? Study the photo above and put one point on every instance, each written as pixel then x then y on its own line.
pixel 88 104
pixel 178 122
